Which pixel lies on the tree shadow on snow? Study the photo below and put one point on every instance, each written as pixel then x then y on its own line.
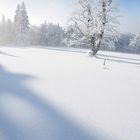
pixel 25 116
pixel 7 54
pixel 118 59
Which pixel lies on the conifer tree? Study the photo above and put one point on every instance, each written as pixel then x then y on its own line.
pixel 21 25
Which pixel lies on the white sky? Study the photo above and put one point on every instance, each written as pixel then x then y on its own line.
pixel 58 11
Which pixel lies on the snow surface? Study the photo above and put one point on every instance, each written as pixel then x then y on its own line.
pixel 60 95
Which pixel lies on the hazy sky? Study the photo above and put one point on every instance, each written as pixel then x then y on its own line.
pixel 57 11
pixel 130 15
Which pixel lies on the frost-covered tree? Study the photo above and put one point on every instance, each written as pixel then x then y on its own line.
pixel 58 36
pixel 92 21
pixel 21 25
pixel 52 35
pixel 134 43
pixel 9 32
pixel 109 43
pixel 6 31
pixel 3 21
pixel 3 30
pixel 17 24
pixel 34 35
pixel 47 34
pixel 43 38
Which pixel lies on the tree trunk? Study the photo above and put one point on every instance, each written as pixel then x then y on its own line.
pixel 96 43
pixel 97 38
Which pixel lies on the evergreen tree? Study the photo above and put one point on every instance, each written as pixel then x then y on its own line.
pixel 43 40
pixel 9 32
pixel 55 35
pixel 17 25
pixel 21 25
pixel 34 35
pixel 51 35
pixel 134 43
pixel 3 31
pixel 3 22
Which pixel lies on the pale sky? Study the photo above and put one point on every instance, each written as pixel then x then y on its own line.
pixel 130 16
pixel 58 11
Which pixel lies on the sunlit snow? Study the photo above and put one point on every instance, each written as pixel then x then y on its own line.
pixel 48 94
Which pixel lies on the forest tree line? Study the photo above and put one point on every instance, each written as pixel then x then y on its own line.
pixel 20 32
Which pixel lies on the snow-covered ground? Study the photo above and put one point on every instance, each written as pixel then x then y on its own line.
pixel 60 95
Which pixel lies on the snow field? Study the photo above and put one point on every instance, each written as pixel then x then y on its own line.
pixel 61 95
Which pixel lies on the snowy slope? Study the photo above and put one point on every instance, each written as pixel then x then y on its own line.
pixel 59 95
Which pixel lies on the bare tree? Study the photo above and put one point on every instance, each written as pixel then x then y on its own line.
pixel 93 20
